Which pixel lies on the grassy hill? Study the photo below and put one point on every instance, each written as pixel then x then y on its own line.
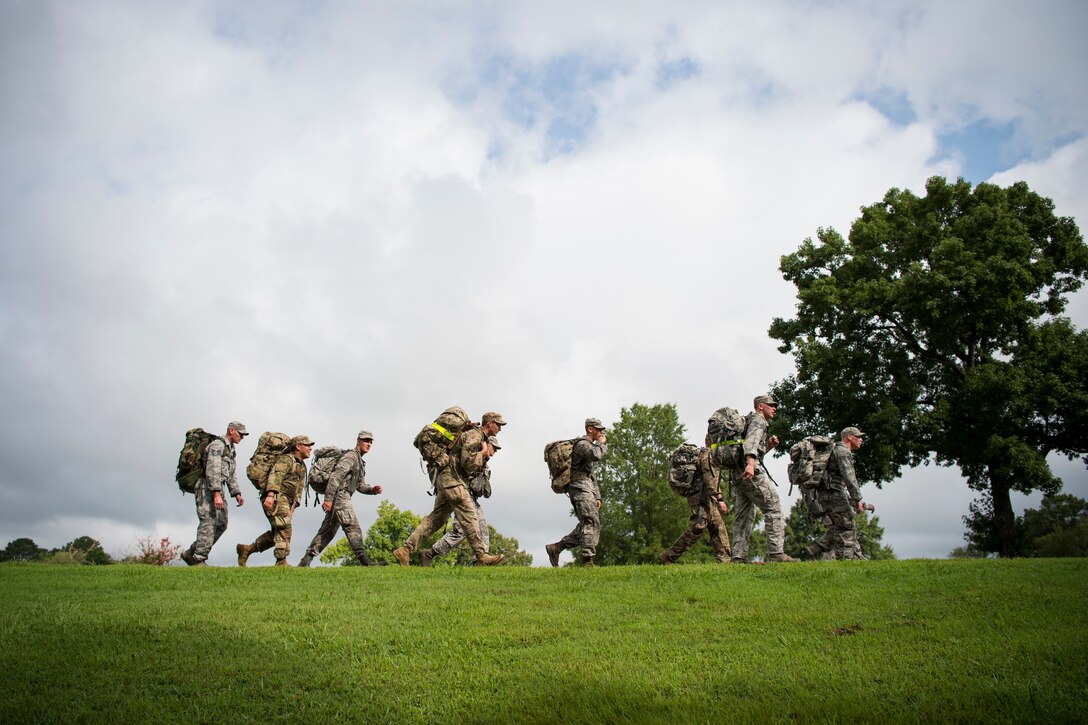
pixel 899 640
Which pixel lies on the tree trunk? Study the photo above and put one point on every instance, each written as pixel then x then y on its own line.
pixel 1004 519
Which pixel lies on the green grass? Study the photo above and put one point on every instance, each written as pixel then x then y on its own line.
pixel 975 641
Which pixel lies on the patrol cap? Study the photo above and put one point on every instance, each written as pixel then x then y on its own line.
pixel 494 442
pixel 493 416
pixel 301 441
pixel 766 400
pixel 852 431
pixel 594 423
pixel 238 427
pixel 364 435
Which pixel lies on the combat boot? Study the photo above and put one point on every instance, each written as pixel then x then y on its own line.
pixel 554 550
pixel 187 557
pixel 781 558
pixel 244 550
pixel 425 556
pixel 283 562
pixel 488 559
pixel 587 561
pixel 305 561
pixel 401 555
pixel 365 560
pixel 664 558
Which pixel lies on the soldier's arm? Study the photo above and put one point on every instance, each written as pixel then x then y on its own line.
pixel 279 471
pixel 473 454
pixel 215 467
pixel 846 468
pixel 754 436
pixel 341 473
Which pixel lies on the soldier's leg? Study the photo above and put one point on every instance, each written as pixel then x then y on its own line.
pixel 454 536
pixel 481 524
pixel 431 522
pixel 744 517
pixel 719 537
pixel 205 528
pixel 465 508
pixel 697 523
pixel 589 522
pixel 765 497
pixel 837 509
pixel 325 534
pixel 353 532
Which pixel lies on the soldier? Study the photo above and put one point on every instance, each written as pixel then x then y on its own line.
pixel 347 477
pixel 840 498
pixel 279 498
pixel 467 459
pixel 707 508
pixel 211 510
pixel 585 494
pixel 479 487
pixel 754 488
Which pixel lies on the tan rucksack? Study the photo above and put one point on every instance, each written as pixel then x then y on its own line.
pixel 557 455
pixel 269 446
pixel 435 441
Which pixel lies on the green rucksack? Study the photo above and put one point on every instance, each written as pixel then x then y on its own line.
pixel 557 455
pixel 192 459
pixel 682 470
pixel 807 469
pixel 435 441
pixel 269 446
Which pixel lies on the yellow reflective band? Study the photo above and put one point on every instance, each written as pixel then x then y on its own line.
pixel 727 443
pixel 443 431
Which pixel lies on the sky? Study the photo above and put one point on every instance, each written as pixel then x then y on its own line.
pixel 319 217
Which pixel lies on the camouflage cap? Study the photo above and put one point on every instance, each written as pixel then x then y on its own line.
pixel 238 427
pixel 493 416
pixel 851 431
pixel 364 435
pixel 301 441
pixel 594 423
pixel 766 400
pixel 494 442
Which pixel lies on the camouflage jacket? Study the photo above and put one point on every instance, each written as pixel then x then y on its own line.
pixel 584 458
pixel 287 478
pixel 470 454
pixel 710 475
pixel 220 468
pixel 348 476
pixel 840 472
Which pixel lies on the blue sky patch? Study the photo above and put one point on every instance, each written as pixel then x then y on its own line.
pixel 983 147
pixel 892 104
pixel 673 71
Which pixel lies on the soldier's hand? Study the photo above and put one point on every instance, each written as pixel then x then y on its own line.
pixel 749 470
pixel 239 499
pixel 326 505
pixel 723 507
pixel 772 442
pixel 375 490
pixel 217 501
pixel 269 501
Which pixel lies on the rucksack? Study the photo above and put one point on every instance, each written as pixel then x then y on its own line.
pixel 269 446
pixel 725 427
pixel 192 459
pixel 682 470
pixel 436 439
pixel 807 469
pixel 325 459
pixel 557 455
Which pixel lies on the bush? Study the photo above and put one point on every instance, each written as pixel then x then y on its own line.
pixel 156 553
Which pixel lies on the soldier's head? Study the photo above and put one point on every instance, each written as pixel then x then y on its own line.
pixel 364 441
pixel 765 405
pixel 301 447
pixel 852 438
pixel 491 423
pixel 236 432
pixel 594 428
pixel 492 446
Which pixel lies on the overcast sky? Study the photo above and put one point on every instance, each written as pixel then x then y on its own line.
pixel 317 217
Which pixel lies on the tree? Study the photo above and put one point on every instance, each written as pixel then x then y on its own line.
pixel 935 329
pixel 390 530
pixel 802 531
pixel 640 515
pixel 83 550
pixel 21 550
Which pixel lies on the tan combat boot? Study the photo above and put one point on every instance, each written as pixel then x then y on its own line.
pixel 781 558
pixel 282 562
pixel 488 559
pixel 554 550
pixel 243 553
pixel 401 555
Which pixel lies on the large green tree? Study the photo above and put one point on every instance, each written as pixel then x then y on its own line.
pixel 23 549
pixel 936 329
pixel 640 514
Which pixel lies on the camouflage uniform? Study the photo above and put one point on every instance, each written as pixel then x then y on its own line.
pixel 467 459
pixel 584 495
pixel 839 499
pixel 219 471
pixel 347 477
pixel 456 534
pixel 705 514
pixel 759 492
pixel 287 479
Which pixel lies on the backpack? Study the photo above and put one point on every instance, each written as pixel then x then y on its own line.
pixel 436 439
pixel 807 469
pixel 726 430
pixel 682 470
pixel 192 459
pixel 269 446
pixel 557 455
pixel 325 459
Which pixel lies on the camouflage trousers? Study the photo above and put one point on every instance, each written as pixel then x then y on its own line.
pixel 342 516
pixel 705 516
pixel 279 535
pixel 588 530
pixel 456 534
pixel 759 493
pixel 840 541
pixel 211 524
pixel 451 496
